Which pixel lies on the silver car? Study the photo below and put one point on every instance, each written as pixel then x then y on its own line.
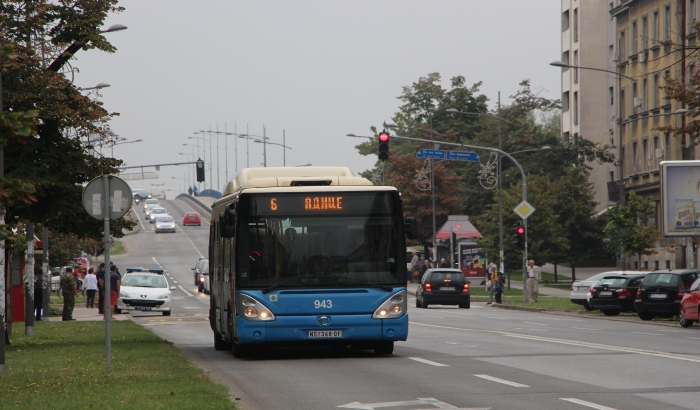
pixel 149 204
pixel 579 289
pixel 155 213
pixel 165 224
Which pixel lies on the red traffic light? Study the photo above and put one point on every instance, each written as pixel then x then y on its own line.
pixel 383 136
pixel 520 230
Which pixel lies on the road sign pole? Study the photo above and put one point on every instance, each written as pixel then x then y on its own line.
pixel 107 278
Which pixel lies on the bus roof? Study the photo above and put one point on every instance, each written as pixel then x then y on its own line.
pixel 274 177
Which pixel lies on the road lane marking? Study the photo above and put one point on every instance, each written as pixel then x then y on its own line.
pixel 494 317
pixel 184 290
pixel 584 328
pixel 577 343
pixel 188 238
pixel 155 260
pixel 175 282
pixel 418 359
pixel 696 338
pixel 434 402
pixel 538 330
pixel 497 380
pixel 533 323
pixel 642 333
pixel 137 217
pixel 588 404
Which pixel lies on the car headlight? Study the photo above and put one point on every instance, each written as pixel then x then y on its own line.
pixel 165 296
pixel 392 308
pixel 252 310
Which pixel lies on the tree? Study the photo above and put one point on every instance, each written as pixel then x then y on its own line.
pixel 628 228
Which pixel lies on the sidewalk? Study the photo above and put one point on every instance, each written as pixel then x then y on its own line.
pixel 83 314
pixel 581 273
pixel 560 293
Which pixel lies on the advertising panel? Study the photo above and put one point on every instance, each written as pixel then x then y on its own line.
pixel 472 260
pixel 680 188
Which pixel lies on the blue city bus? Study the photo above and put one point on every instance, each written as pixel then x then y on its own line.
pixel 307 256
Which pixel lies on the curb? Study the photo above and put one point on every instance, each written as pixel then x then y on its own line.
pixel 136 230
pixel 522 308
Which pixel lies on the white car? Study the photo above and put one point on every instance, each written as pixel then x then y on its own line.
pixel 156 212
pixel 150 203
pixel 579 289
pixel 165 224
pixel 144 290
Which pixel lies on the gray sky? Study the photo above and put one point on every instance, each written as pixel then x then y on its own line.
pixel 317 69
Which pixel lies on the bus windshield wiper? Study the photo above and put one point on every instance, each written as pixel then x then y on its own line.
pixel 290 280
pixel 371 285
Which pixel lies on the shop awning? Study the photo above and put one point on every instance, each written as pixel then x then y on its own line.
pixel 462 229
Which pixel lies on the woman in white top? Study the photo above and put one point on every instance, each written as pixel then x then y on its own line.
pixel 91 286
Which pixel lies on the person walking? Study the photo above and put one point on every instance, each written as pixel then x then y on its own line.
pixel 414 266
pixel 423 267
pixel 533 281
pixel 115 282
pixel 189 191
pixel 444 264
pixel 69 287
pixel 38 293
pixel 100 288
pixel 493 278
pixel 91 286
pixel 196 191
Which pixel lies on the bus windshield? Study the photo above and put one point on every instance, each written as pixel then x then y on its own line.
pixel 325 240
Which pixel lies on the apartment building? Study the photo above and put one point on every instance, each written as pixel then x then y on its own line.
pixel 588 95
pixel 650 46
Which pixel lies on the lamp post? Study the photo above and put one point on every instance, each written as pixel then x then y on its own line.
pixel 284 148
pixel 124 142
pixel 191 177
pixel 97 87
pixel 211 157
pixel 256 138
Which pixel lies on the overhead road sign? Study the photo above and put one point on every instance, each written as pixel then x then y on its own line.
pixel 463 156
pixel 431 153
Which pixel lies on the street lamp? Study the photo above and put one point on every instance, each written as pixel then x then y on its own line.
pixel 359 136
pixel 123 142
pixel 193 171
pixel 97 87
pixel 262 138
pixel 284 147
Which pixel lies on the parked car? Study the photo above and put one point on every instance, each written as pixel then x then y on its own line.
pixel 149 203
pixel 443 287
pixel 191 218
pixel 156 212
pixel 203 285
pixel 201 263
pixel 144 291
pixel 615 294
pixel 579 289
pixel 690 304
pixel 56 278
pixel 661 292
pixel 165 223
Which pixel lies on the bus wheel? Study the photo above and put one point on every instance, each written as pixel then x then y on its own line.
pixel 221 344
pixel 382 348
pixel 240 351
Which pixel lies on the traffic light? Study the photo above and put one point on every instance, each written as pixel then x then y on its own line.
pixel 519 237
pixel 200 170
pixel 383 148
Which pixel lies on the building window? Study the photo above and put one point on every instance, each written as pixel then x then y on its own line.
pixel 635 157
pixel 622 106
pixel 624 162
pixel 634 38
pixel 635 99
pixel 667 22
pixel 655 27
pixel 656 265
pixel 646 265
pixel 575 107
pixel 621 47
pixel 645 34
pixel 565 59
pixel 646 156
pixel 668 264
pixel 655 92
pixel 654 159
pixel 691 15
pixel 575 25
pixel 667 76
pixel 645 95
pixel 667 147
pixel 565 139
pixel 576 64
pixel 565 101
pixel 612 95
pixel 565 20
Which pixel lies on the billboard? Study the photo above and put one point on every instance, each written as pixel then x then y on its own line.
pixel 680 190
pixel 472 260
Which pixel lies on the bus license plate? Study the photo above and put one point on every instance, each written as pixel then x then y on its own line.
pixel 605 293
pixel 141 308
pixel 318 334
pixel 447 288
pixel 657 296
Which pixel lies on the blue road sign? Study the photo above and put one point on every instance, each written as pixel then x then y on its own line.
pixel 431 154
pixel 463 156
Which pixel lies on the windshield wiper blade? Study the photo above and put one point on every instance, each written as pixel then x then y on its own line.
pixel 371 285
pixel 290 280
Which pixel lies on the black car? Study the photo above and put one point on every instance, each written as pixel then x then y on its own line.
pixel 443 287
pixel 661 292
pixel 201 263
pixel 615 294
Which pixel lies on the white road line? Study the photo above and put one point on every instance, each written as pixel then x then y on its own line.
pixel 584 328
pixel 493 317
pixel 184 290
pixel 175 282
pixel 533 323
pixel 188 238
pixel 497 380
pixel 154 260
pixel 642 333
pixel 588 404
pixel 696 338
pixel 137 217
pixel 418 359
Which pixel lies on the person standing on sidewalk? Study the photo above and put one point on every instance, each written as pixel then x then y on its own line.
pixel 69 286
pixel 533 280
pixel 498 287
pixel 493 278
pixel 38 293
pixel 115 282
pixel 101 288
pixel 414 266
pixel 91 286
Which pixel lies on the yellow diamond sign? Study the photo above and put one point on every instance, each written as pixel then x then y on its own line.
pixel 524 210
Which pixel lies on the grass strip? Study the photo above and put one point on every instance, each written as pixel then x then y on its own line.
pixel 62 366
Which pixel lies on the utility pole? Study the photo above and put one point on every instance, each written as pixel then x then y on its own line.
pixel 46 283
pixel 29 282
pixel 3 265
pixel 218 174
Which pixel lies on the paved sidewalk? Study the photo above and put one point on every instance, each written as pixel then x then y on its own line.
pixel 83 314
pixel 411 287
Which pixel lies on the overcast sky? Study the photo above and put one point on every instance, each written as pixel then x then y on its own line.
pixel 316 69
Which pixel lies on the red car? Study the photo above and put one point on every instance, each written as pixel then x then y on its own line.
pixel 191 218
pixel 690 305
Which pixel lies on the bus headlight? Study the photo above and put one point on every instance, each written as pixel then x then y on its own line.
pixel 392 308
pixel 252 310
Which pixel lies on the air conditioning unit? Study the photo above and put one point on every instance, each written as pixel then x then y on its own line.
pixel 660 153
pixel 616 58
pixel 641 56
pixel 637 102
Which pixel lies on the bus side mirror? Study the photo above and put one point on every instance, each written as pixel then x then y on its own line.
pixel 411 227
pixel 228 221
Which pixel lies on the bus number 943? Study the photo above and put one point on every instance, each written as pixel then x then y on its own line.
pixel 325 304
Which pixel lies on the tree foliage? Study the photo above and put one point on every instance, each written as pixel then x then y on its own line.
pixel 628 228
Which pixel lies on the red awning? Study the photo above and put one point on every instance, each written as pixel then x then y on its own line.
pixel 462 229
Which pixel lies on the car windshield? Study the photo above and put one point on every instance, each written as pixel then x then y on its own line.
pixel 160 211
pixel 202 263
pixel 348 238
pixel 165 219
pixel 144 281
pixel 662 279
pixel 612 282
pixel 152 201
pixel 449 276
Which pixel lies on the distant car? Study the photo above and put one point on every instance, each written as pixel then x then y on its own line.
pixel 615 294
pixel 201 263
pixel 156 212
pixel 443 287
pixel 661 292
pixel 203 285
pixel 191 218
pixel 690 306
pixel 56 278
pixel 579 289
pixel 149 203
pixel 141 194
pixel 144 291
pixel 165 224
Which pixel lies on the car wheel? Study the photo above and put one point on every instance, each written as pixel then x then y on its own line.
pixel 645 315
pixel 166 313
pixel 384 348
pixel 424 304
pixel 587 306
pixel 417 303
pixel 464 305
pixel 683 321
pixel 610 312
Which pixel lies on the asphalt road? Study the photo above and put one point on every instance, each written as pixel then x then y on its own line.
pixel 454 359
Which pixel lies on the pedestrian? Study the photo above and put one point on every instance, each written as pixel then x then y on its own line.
pixel 100 275
pixel 493 278
pixel 196 191
pixel 38 293
pixel 91 286
pixel 533 280
pixel 189 191
pixel 444 264
pixel 423 268
pixel 115 282
pixel 414 266
pixel 499 288
pixel 69 287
